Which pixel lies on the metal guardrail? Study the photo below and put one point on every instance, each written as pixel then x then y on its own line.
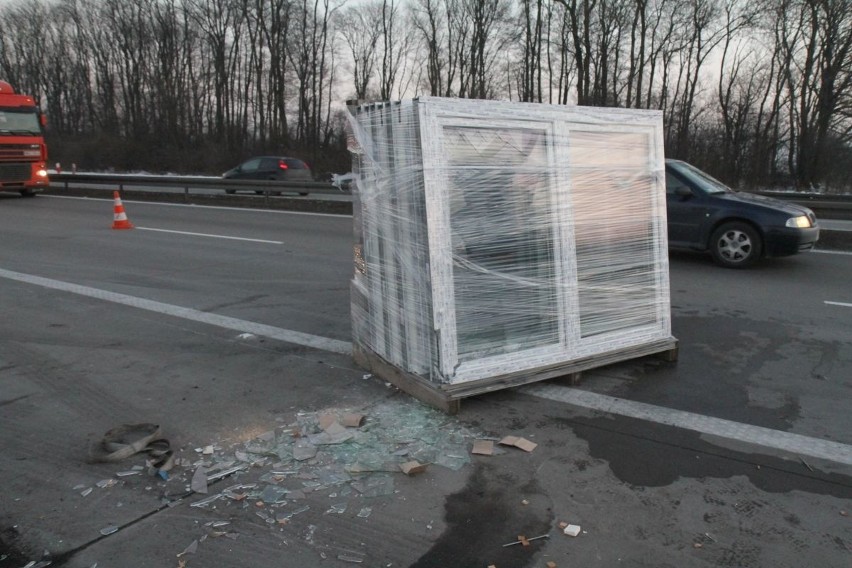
pixel 199 182
pixel 140 187
pixel 825 206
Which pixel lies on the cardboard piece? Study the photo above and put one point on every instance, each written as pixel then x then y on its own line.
pixel 483 447
pixel 523 540
pixel 326 420
pixel 526 445
pixel 352 420
pixel 412 467
pixel 334 429
pixel 572 530
pixel 518 442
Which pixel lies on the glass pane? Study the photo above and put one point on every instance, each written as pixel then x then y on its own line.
pixel 615 243
pixel 502 240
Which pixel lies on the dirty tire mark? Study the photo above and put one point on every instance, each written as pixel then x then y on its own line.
pixel 13 400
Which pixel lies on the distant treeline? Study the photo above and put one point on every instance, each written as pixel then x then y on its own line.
pixel 758 92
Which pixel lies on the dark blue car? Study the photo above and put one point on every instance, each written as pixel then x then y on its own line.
pixel 736 228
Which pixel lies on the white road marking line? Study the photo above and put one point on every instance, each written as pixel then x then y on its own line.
pixel 217 207
pixel 777 439
pixel 847 253
pixel 845 305
pixel 212 236
pixel 757 435
pixel 235 324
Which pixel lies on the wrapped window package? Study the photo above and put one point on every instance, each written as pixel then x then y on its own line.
pixel 499 243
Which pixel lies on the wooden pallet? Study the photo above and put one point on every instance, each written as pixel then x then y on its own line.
pixel 448 397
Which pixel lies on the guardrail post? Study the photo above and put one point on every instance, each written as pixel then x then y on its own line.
pixel 186 194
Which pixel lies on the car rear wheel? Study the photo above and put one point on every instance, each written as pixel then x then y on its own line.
pixel 28 193
pixel 736 245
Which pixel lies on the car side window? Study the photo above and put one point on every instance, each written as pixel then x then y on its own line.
pixel 269 164
pixel 296 164
pixel 251 165
pixel 673 183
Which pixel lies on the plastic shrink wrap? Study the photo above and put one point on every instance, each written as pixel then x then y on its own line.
pixel 496 239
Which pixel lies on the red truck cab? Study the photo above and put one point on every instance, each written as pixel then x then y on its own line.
pixel 23 153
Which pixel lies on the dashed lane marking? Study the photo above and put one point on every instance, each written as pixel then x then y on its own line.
pixel 727 429
pixel 211 236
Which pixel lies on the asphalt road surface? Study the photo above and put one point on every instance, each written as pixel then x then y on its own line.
pixel 229 328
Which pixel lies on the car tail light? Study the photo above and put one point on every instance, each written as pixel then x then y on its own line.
pixel 282 165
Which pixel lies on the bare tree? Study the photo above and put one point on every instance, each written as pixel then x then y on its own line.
pixel 22 53
pixel 396 44
pixel 532 38
pixel 817 48
pixel 220 23
pixel 309 55
pixel 361 28
pixel 275 20
pixel 434 22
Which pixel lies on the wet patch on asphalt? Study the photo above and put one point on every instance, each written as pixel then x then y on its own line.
pixel 10 551
pixel 720 364
pixel 654 455
pixel 487 514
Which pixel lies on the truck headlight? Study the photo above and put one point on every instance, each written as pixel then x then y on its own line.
pixel 800 222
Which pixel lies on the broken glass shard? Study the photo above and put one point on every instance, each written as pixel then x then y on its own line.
pixel 304 450
pixel 338 508
pixel 375 486
pixel 206 501
pixel 273 494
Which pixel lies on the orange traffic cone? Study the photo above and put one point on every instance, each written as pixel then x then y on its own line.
pixel 119 217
